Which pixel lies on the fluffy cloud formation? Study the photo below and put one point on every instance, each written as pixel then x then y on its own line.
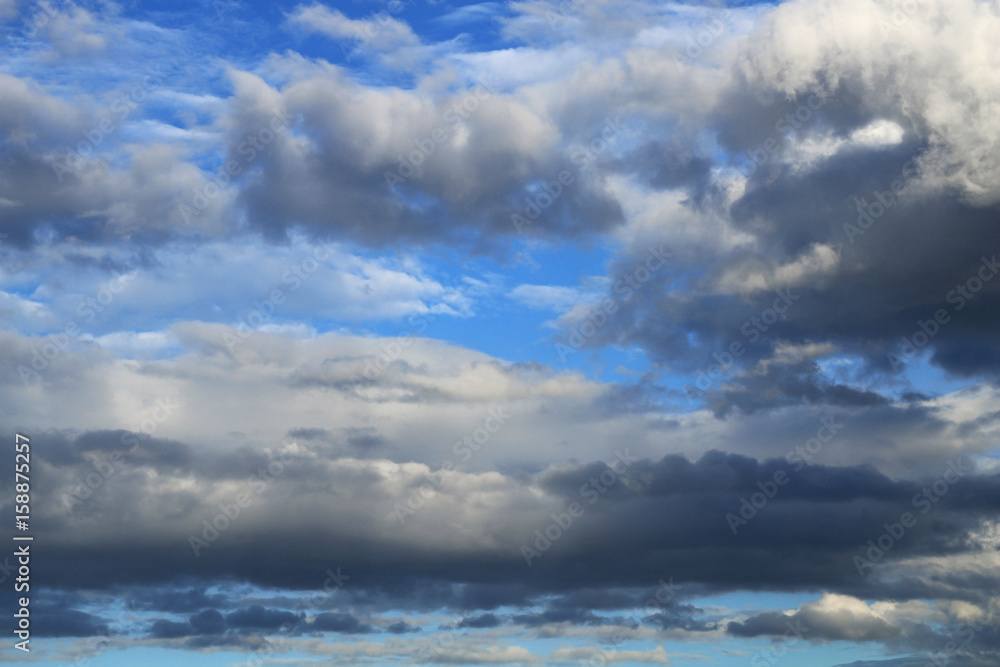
pixel 539 332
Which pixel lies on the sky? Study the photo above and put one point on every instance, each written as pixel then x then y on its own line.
pixel 541 332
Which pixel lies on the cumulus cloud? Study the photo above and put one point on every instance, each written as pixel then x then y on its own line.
pixel 832 617
pixel 817 180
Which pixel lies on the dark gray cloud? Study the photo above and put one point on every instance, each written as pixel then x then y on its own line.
pixel 787 384
pixel 54 622
pixel 258 617
pixel 344 623
pixel 164 629
pixel 212 622
pixel 682 617
pixel 310 433
pixel 562 615
pixel 208 622
pixel 487 620
pixel 776 624
pixel 471 186
pixel 805 536
pixel 402 628
pixel 177 601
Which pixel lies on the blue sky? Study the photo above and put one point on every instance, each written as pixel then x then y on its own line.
pixel 509 312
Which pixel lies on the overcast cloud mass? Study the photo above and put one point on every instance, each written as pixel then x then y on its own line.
pixel 541 332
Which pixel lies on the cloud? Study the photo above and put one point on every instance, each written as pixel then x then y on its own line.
pixel 471 13
pixel 787 379
pixel 371 150
pixel 163 629
pixel 111 296
pixel 488 620
pixel 785 213
pixel 75 32
pixel 817 262
pixel 653 656
pixel 178 600
pixel 344 623
pixel 380 32
pixel 792 61
pixel 402 628
pixel 822 172
pixel 832 617
pixel 208 622
pixel 256 616
pixel 482 656
pixel 807 535
pixel 68 623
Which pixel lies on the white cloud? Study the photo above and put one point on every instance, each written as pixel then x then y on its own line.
pixel 879 50
pixel 314 281
pixel 379 33
pixel 75 32
pixel 811 267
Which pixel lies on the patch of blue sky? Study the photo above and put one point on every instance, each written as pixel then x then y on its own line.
pixel 104 652
pixel 751 602
pixel 765 652
pixel 916 374
pixel 927 378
